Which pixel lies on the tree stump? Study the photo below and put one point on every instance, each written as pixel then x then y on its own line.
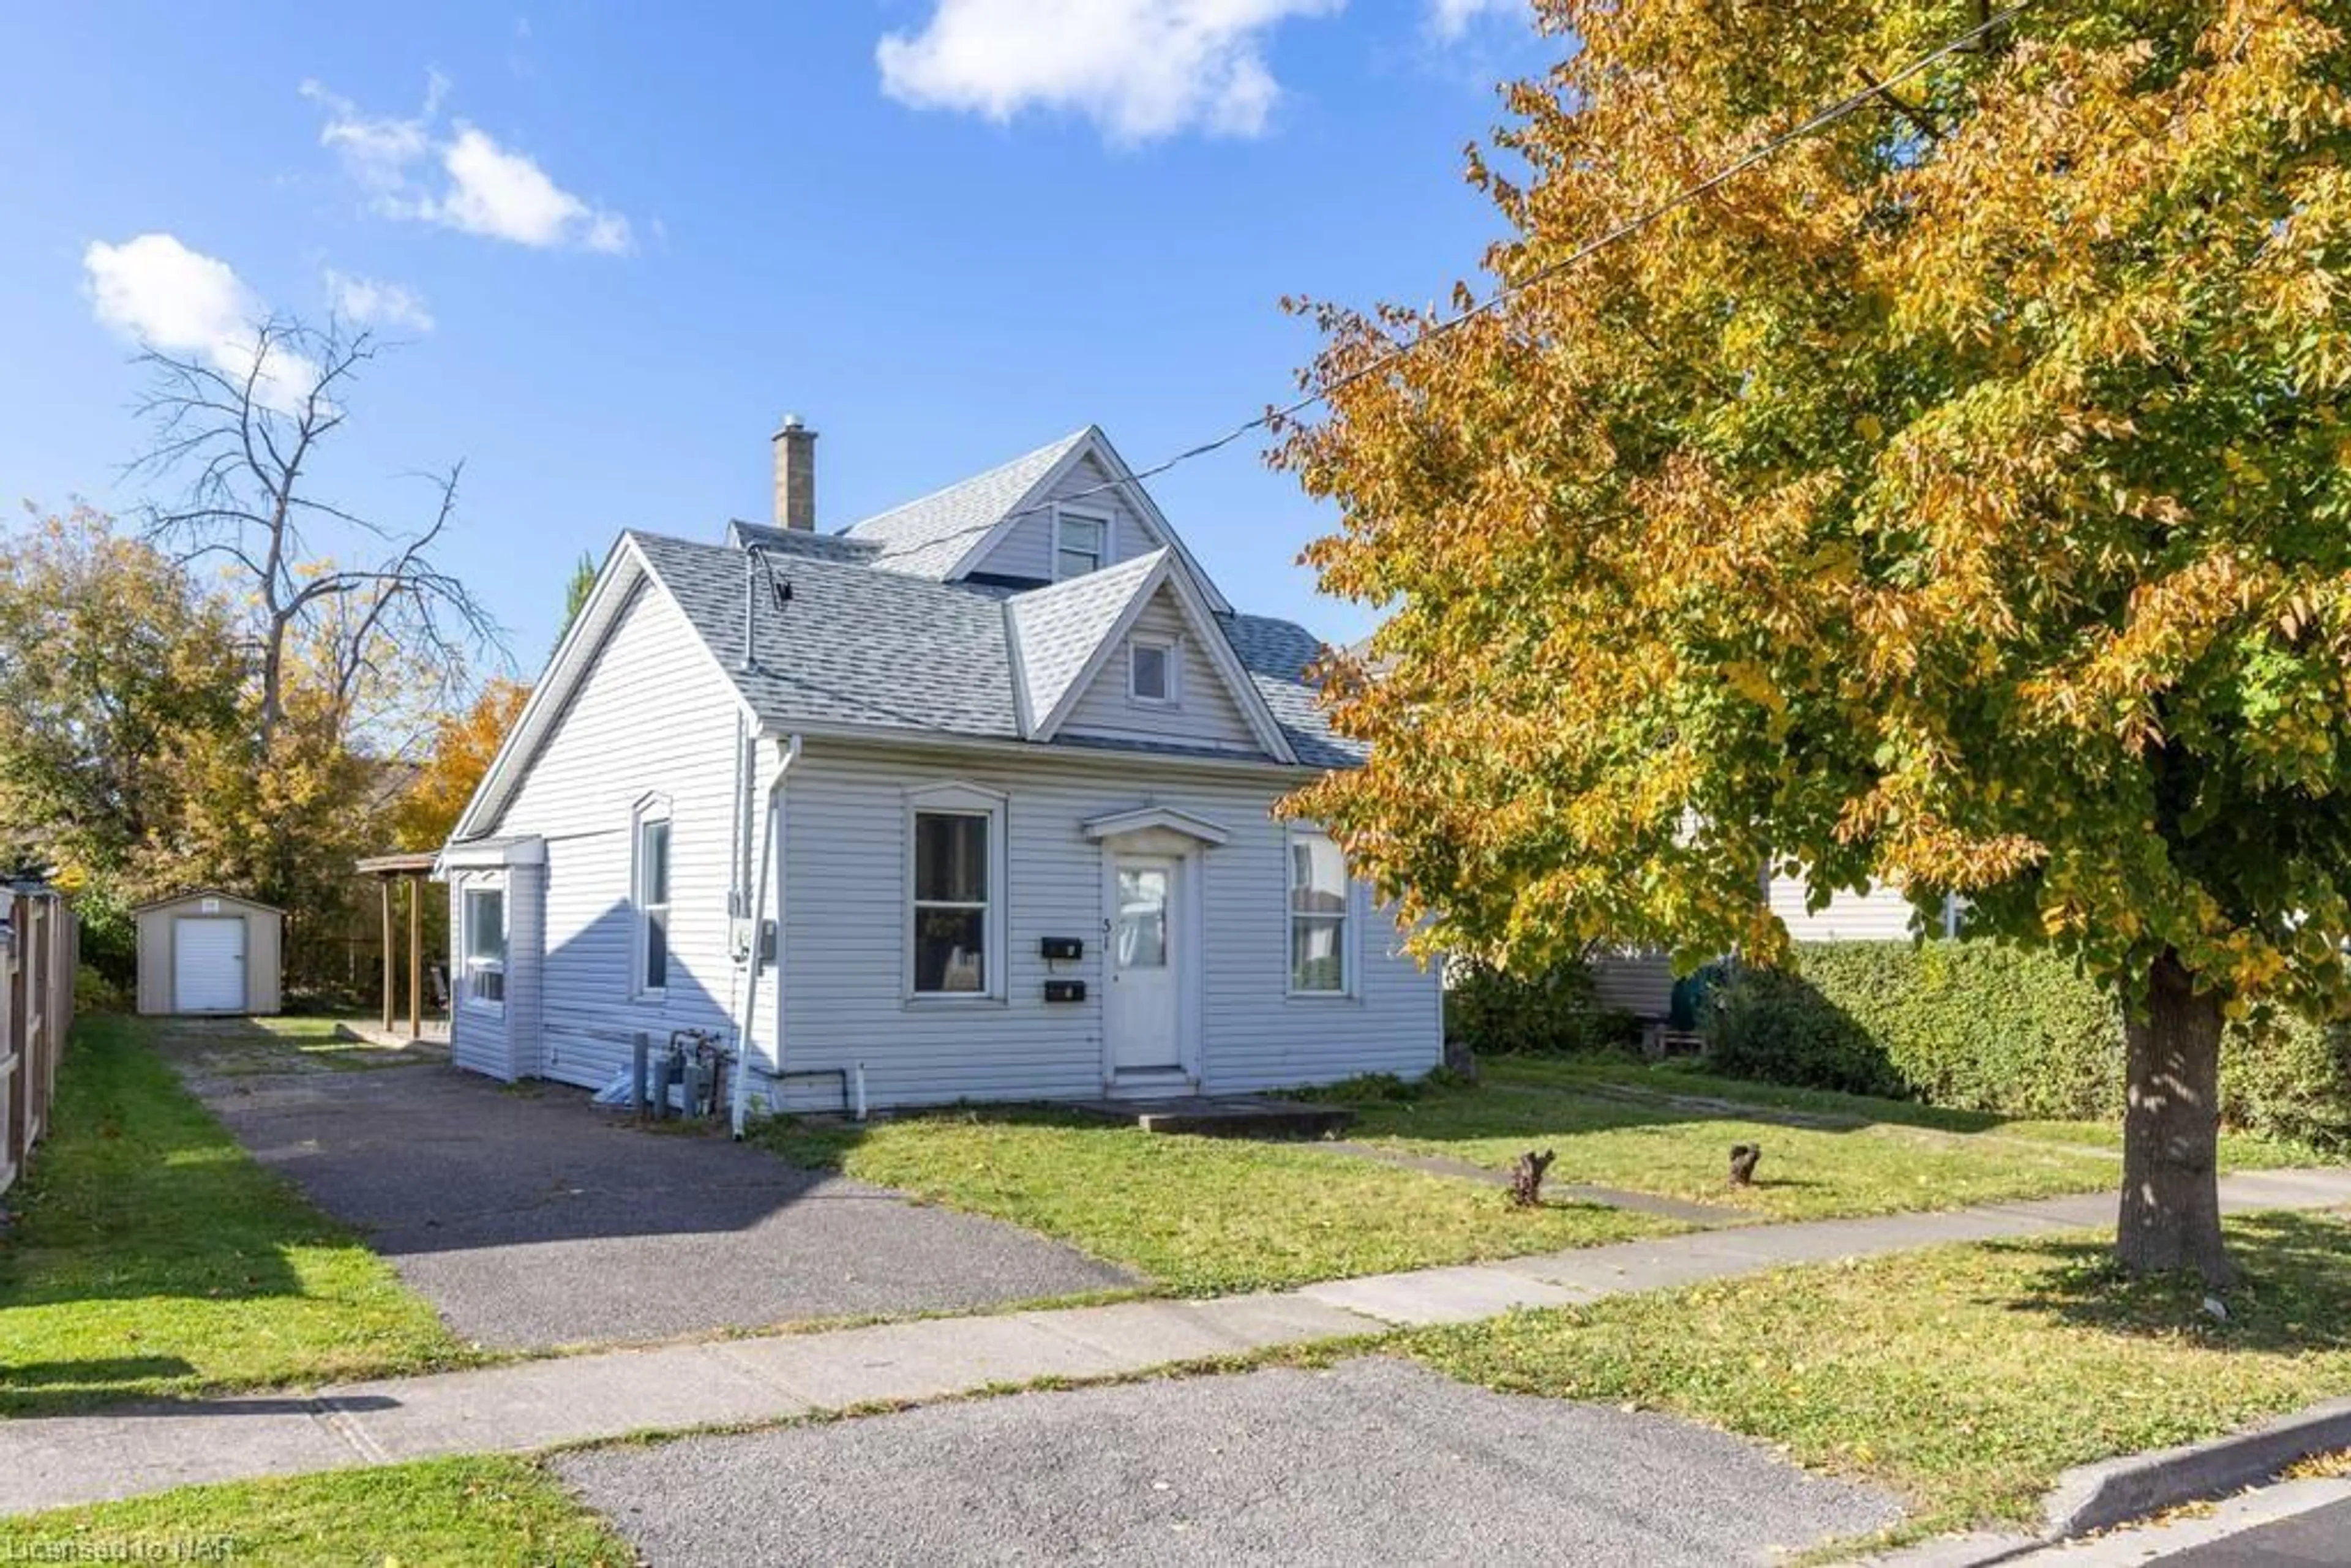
pixel 1743 1163
pixel 1526 1178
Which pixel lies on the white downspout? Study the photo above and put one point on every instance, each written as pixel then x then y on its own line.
pixel 791 753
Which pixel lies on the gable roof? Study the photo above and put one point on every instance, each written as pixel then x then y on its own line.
pixel 1161 574
pixel 865 647
pixel 944 535
pixel 1054 631
pixel 937 536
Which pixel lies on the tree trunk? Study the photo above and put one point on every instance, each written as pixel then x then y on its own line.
pixel 2171 1132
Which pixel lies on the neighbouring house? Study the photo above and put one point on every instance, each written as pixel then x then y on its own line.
pixel 1642 982
pixel 972 799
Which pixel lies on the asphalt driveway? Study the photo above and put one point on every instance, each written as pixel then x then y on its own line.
pixel 531 1219
pixel 1374 1461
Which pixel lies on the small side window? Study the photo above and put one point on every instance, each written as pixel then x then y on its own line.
pixel 653 902
pixel 1151 670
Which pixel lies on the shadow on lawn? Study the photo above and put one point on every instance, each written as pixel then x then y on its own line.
pixel 2294 1295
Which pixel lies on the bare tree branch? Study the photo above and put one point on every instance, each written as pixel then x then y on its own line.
pixel 242 439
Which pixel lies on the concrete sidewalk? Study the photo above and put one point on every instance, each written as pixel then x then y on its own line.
pixel 47 1462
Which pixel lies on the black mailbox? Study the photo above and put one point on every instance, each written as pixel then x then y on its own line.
pixel 1065 990
pixel 1060 947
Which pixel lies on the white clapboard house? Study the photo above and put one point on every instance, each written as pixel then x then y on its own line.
pixel 972 799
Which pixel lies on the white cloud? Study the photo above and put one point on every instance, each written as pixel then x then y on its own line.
pixel 369 302
pixel 158 293
pixel 1139 68
pixel 481 188
pixel 1451 18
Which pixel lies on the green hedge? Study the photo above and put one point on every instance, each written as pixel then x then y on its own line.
pixel 1559 1013
pixel 1981 1026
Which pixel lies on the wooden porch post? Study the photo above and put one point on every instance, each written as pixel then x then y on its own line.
pixel 385 884
pixel 416 957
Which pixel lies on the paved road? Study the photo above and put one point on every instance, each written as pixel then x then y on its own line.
pixel 2322 1535
pixel 2286 1525
pixel 1376 1461
pixel 531 1219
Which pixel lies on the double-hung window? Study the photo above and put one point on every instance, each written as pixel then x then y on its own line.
pixel 1319 917
pixel 1081 543
pixel 486 946
pixel 653 860
pixel 954 902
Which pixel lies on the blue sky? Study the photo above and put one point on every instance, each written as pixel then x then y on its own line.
pixel 618 243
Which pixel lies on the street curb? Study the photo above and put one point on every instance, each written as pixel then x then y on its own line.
pixel 2114 1491
pixel 2091 1498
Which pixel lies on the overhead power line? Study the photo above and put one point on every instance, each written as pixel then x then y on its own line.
pixel 1878 91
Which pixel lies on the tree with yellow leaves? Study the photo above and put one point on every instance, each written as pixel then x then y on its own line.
pixel 463 747
pixel 1960 498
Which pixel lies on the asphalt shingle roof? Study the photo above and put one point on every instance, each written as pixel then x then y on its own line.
pixel 1057 629
pixel 890 650
pixel 928 538
pixel 1276 654
pixel 801 541
pixel 854 645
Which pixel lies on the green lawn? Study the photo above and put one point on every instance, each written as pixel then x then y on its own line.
pixel 2239 1151
pixel 1199 1215
pixel 1965 1378
pixel 151 1256
pixel 1653 1147
pixel 494 1513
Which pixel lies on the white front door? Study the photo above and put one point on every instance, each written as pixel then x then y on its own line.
pixel 208 964
pixel 1145 964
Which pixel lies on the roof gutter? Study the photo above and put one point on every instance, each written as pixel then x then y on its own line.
pixel 1034 751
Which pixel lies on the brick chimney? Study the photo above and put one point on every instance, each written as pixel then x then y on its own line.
pixel 795 476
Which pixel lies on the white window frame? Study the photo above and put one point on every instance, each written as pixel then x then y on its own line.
pixel 958 800
pixel 1103 555
pixel 473 966
pixel 1171 649
pixel 651 810
pixel 1347 916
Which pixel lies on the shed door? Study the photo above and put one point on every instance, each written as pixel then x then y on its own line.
pixel 208 964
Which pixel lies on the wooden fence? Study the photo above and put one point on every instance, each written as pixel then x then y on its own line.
pixel 40 948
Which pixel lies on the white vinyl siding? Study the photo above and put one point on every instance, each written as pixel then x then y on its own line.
pixel 501 1039
pixel 1027 549
pixel 1880 914
pixel 1633 980
pixel 655 717
pixel 845 938
pixel 1203 714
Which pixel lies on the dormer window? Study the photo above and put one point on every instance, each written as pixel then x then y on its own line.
pixel 1081 543
pixel 1151 670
